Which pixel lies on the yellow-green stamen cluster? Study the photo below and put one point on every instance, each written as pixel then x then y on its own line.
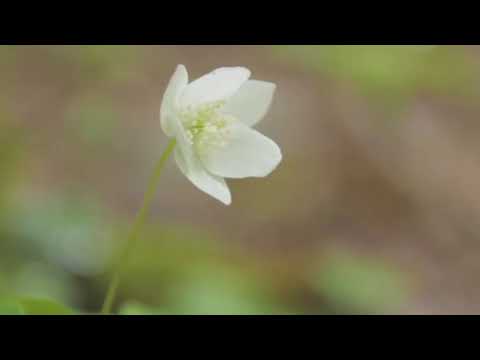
pixel 206 125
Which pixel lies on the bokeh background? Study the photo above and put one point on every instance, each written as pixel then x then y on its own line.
pixel 375 208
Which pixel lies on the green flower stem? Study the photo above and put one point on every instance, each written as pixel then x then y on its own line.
pixel 135 229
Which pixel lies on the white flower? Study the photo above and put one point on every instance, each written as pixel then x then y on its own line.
pixel 211 119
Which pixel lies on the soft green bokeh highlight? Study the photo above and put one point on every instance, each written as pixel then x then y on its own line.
pixel 392 74
pixel 33 306
pixel 359 284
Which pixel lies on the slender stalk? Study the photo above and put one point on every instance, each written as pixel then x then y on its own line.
pixel 136 227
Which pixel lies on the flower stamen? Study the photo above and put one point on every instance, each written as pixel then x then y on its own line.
pixel 207 125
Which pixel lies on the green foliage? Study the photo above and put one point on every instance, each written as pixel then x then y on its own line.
pixel 221 290
pixel 192 275
pixel 136 308
pixel 392 74
pixel 42 280
pixel 357 284
pixel 33 306
pixel 10 307
pixel 70 230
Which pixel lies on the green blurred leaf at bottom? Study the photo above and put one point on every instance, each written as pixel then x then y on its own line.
pixel 359 284
pixel 33 306
pixel 136 308
pixel 8 307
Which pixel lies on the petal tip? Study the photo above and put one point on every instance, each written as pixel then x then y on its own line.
pixel 227 202
pixel 227 199
pixel 275 163
pixel 181 67
pixel 276 159
pixel 274 88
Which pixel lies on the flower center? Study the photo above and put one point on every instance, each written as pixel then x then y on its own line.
pixel 206 125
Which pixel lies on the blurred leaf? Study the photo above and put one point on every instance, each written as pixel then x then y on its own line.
pixel 187 271
pixel 392 73
pixel 171 251
pixel 359 284
pixel 71 231
pixel 9 307
pixel 32 306
pixel 221 291
pixel 136 308
pixel 39 280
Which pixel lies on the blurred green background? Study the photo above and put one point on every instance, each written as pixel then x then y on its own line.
pixel 374 209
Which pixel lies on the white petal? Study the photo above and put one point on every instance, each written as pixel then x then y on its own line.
pixel 251 102
pixel 247 153
pixel 178 82
pixel 194 170
pixel 220 84
pixel 213 185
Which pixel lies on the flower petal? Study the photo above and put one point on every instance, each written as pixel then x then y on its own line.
pixel 251 102
pixel 220 84
pixel 213 185
pixel 194 170
pixel 247 153
pixel 178 82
